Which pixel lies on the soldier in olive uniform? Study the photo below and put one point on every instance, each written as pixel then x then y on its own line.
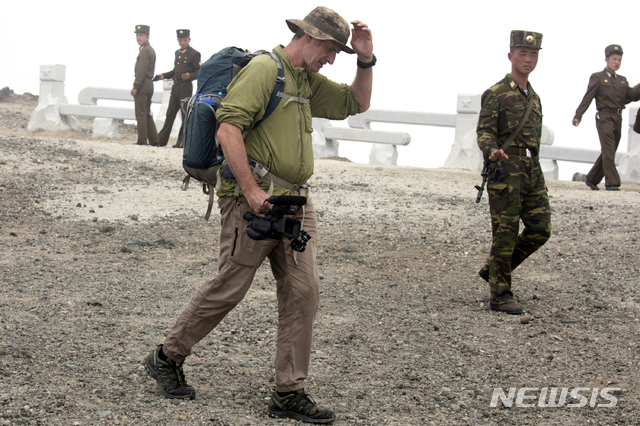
pixel 185 70
pixel 612 93
pixel 516 187
pixel 142 91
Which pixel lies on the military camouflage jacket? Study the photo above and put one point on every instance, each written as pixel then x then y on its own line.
pixel 611 90
pixel 503 105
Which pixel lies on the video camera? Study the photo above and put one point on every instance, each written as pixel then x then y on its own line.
pixel 275 226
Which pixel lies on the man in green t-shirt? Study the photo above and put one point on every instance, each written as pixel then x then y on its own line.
pixel 283 144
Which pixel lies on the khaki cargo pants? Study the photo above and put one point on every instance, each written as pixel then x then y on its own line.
pixel 240 257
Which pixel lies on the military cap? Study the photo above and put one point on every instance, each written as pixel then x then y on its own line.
pixel 526 39
pixel 144 29
pixel 613 48
pixel 323 23
pixel 183 33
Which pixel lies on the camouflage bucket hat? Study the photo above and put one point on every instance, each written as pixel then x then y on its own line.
pixel 526 39
pixel 324 24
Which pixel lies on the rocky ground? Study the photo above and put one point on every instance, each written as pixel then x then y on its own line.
pixel 101 250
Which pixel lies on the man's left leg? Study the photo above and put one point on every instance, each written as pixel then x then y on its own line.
pixel 609 132
pixel 298 294
pixel 172 110
pixel 536 217
pixel 152 133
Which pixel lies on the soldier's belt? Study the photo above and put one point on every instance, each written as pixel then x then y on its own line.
pixel 612 110
pixel 522 152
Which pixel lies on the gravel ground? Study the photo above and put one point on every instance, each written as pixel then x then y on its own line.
pixel 101 250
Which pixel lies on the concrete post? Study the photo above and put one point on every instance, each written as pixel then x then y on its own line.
pixel 634 138
pixel 323 147
pixel 107 127
pixel 629 167
pixel 47 116
pixel 383 154
pixel 465 153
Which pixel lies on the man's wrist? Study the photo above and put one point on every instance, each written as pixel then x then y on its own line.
pixel 367 64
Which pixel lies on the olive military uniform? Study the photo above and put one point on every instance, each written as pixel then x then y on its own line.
pixel 144 69
pixel 186 61
pixel 516 187
pixel 612 93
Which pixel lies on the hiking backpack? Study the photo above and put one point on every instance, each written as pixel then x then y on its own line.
pixel 202 158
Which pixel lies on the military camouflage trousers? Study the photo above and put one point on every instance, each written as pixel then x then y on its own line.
pixel 519 193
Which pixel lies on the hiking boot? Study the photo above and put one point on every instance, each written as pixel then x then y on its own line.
pixel 484 274
pixel 592 186
pixel 612 188
pixel 299 406
pixel 169 375
pixel 510 307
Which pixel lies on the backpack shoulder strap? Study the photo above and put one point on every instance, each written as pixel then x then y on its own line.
pixel 278 89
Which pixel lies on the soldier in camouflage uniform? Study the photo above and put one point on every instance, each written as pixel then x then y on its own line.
pixel 516 187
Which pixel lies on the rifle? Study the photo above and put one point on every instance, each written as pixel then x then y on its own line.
pixel 485 174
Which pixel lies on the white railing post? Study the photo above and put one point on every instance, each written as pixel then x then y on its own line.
pixel 322 146
pixel 47 114
pixel 465 153
pixel 629 167
pixel 634 138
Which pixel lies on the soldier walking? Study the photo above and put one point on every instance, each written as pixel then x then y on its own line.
pixel 142 91
pixel 612 93
pixel 185 70
pixel 509 131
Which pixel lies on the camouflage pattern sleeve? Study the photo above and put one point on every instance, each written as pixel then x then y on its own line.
pixel 487 129
pixel 503 107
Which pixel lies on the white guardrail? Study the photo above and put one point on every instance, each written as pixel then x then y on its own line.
pixel 55 113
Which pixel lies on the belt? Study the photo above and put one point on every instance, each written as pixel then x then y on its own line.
pixel 521 152
pixel 612 110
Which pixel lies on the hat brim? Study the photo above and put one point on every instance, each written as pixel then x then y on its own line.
pixel 529 46
pixel 312 31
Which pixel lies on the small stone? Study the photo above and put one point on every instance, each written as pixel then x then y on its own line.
pixel 526 319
